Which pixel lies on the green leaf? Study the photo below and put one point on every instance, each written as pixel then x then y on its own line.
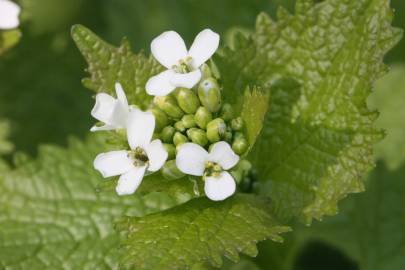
pixel 255 105
pixel 321 65
pixel 389 98
pixel 51 217
pixel 200 231
pixel 369 228
pixel 8 39
pixel 109 65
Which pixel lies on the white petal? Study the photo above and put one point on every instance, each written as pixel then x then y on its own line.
pixel 119 115
pixel 219 188
pixel 113 163
pixel 157 155
pixel 140 128
pixel 222 153
pixel 129 182
pixel 187 80
pixel 204 46
pixel 191 159
pixel 160 85
pixel 121 94
pixel 9 12
pixel 169 48
pixel 103 108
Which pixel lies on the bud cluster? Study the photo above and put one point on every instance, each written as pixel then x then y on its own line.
pixel 197 115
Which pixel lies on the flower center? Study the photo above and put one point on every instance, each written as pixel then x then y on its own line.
pixel 184 65
pixel 139 157
pixel 212 169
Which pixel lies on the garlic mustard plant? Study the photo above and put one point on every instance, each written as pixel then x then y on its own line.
pixel 182 65
pixel 143 157
pixel 213 167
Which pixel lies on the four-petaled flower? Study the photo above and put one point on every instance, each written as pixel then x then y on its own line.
pixel 112 112
pixel 145 155
pixel 183 66
pixel 194 160
pixel 9 12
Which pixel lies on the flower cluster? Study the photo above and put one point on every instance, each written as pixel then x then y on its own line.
pixel 194 132
pixel 9 13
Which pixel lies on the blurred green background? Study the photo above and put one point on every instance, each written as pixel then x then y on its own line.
pixel 49 104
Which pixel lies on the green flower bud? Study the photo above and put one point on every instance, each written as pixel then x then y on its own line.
pixel 237 124
pixel 228 136
pixel 156 136
pixel 227 112
pixel 171 150
pixel 179 126
pixel 202 117
pixel 188 121
pixel 240 145
pixel 179 139
pixel 216 130
pixel 169 105
pixel 167 134
pixel 241 170
pixel 197 136
pixel 206 71
pixel 122 132
pixel 187 100
pixel 210 147
pixel 170 171
pixel 238 135
pixel 210 94
pixel 161 119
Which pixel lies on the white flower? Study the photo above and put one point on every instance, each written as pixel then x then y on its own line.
pixel 9 12
pixel 194 160
pixel 144 156
pixel 182 65
pixel 112 112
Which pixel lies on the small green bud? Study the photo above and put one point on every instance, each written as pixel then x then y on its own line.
pixel 197 136
pixel 170 171
pixel 167 134
pixel 237 124
pixel 202 117
pixel 210 94
pixel 206 71
pixel 179 126
pixel 169 105
pixel 122 132
pixel 187 100
pixel 216 130
pixel 179 139
pixel 188 121
pixel 156 136
pixel 228 136
pixel 227 112
pixel 210 147
pixel 238 135
pixel 240 145
pixel 171 150
pixel 161 119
